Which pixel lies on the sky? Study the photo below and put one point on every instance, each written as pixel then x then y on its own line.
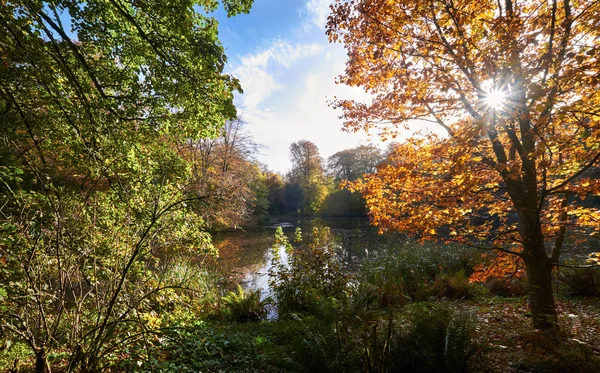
pixel 287 69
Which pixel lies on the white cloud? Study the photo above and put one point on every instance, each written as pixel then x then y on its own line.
pixel 258 72
pixel 287 87
pixel 302 112
pixel 318 10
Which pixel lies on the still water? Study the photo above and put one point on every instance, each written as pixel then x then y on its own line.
pixel 246 255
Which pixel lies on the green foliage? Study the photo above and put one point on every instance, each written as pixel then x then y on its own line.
pixel 380 285
pixel 242 305
pixel 311 275
pixel 344 203
pixel 91 272
pixel 96 98
pixel 453 286
pixel 308 175
pixel 13 354
pixel 207 347
pixel 438 339
pixel 581 281
pixel 415 267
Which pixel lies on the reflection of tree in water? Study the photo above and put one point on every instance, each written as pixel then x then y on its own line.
pixel 246 256
pixel 241 253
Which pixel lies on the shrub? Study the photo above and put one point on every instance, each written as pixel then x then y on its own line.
pixel 202 346
pixel 312 277
pixel 315 344
pixel 380 285
pixel 243 305
pixel 506 287
pixel 437 339
pixel 415 267
pixel 581 281
pixel 455 286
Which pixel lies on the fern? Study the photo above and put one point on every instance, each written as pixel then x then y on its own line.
pixel 242 305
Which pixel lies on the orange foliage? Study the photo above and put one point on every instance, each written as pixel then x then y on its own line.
pixel 516 88
pixel 509 172
pixel 501 266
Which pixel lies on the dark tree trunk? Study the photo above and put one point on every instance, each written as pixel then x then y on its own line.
pixel 539 266
pixel 40 361
pixel 541 298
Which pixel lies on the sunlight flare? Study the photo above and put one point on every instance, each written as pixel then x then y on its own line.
pixel 495 99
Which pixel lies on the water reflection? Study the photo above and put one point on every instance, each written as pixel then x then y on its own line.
pixel 247 255
pixel 259 278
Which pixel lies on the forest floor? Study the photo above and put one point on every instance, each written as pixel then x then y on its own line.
pixel 507 343
pixel 504 342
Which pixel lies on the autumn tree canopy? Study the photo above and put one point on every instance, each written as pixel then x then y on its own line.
pixel 516 87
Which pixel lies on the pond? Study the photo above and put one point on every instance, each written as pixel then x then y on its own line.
pixel 246 255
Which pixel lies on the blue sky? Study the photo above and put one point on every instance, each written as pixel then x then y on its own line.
pixel 287 69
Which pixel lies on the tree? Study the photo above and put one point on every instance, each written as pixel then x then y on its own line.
pixel 515 85
pixel 350 164
pixel 276 194
pixel 225 164
pixel 95 99
pixel 308 173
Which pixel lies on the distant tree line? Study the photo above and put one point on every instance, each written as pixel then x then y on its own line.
pixel 312 186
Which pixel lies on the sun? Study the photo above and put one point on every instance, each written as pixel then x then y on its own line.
pixel 495 99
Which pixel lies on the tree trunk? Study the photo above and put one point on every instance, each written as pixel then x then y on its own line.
pixel 40 360
pixel 541 298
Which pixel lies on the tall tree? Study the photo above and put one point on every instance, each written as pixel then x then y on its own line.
pixel 95 97
pixel 350 164
pixel 308 173
pixel 226 165
pixel 515 85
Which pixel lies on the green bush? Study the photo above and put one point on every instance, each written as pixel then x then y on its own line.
pixel 13 354
pixel 206 347
pixel 581 281
pixel 312 277
pixel 415 267
pixel 315 344
pixel 436 339
pixel 242 305
pixel 455 286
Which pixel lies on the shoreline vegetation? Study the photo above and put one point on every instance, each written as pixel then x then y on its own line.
pixel 409 307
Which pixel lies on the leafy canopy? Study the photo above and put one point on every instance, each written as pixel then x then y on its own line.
pixel 515 86
pixel 84 84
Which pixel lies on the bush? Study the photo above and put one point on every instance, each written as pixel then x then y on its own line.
pixel 415 267
pixel 506 287
pixel 311 279
pixel 205 347
pixel 242 305
pixel 314 344
pixel 437 339
pixel 455 286
pixel 581 281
